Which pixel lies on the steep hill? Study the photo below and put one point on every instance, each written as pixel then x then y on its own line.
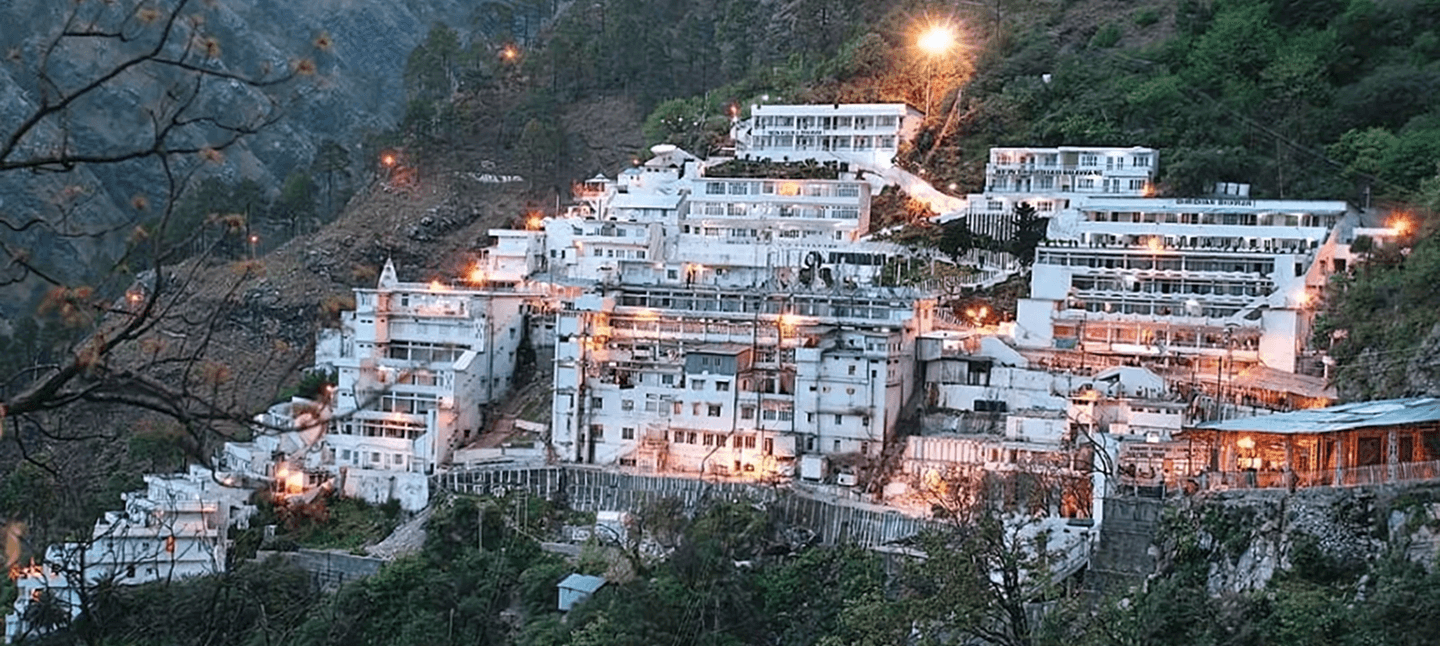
pixel 358 49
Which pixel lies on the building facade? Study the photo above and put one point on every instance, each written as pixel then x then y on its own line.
pixel 419 364
pixel 1054 180
pixel 867 134
pixel 1216 278
pixel 731 382
pixel 173 529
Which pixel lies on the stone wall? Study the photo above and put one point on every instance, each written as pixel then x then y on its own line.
pixel 1125 554
pixel 328 569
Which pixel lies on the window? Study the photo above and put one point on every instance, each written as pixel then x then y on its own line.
pixel 697 384
pixel 695 409
pixel 714 410
pixel 839 419
pixel 769 445
pixel 678 407
pixel 667 379
pixel 627 404
pixel 627 433
pixel 722 386
pixel 597 403
pixel 708 440
pixel 852 369
pixel 597 431
pixel 747 412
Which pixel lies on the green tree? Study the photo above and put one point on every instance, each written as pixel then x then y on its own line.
pixel 432 72
pixel 1029 233
pixel 296 204
pixel 331 160
pixel 692 124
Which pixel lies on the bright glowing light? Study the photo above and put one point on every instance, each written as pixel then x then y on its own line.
pixel 437 286
pixel 476 274
pixel 1303 299
pixel 509 53
pixel 1155 243
pixel 254 239
pixel 295 483
pixel 1400 225
pixel 388 159
pixel 533 222
pixel 936 40
pixel 984 311
pixel 1245 443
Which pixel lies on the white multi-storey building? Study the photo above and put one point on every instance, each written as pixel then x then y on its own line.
pixel 418 365
pixel 1050 179
pixel 1180 278
pixel 869 134
pixel 174 529
pixel 673 221
pixel 730 381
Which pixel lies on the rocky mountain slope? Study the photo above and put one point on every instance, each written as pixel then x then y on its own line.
pixel 359 50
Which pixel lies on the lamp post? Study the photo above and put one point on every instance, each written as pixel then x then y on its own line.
pixel 934 42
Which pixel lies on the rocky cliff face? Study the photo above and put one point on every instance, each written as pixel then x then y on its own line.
pixel 356 88
pixel 1248 537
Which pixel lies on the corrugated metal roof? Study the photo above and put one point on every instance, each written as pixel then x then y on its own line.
pixel 1385 412
pixel 582 582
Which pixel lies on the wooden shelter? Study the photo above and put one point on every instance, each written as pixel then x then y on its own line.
pixel 1361 443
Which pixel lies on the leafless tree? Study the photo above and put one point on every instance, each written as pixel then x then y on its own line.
pixel 171 106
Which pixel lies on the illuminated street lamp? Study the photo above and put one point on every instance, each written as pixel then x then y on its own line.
pixel 934 42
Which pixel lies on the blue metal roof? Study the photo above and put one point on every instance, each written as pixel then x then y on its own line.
pixel 1383 412
pixel 582 582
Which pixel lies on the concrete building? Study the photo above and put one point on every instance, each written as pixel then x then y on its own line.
pixel 727 381
pixel 419 364
pixel 173 529
pixel 673 220
pixel 418 367
pixel 1054 180
pixel 869 134
pixel 1213 278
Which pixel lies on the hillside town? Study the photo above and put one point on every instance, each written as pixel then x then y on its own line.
pixel 738 319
